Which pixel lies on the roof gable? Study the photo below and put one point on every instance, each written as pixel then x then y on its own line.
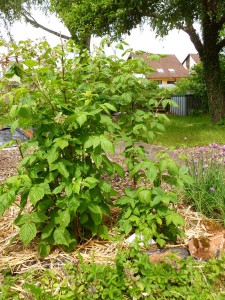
pixel 167 66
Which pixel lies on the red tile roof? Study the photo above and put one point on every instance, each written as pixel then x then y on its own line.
pixel 167 66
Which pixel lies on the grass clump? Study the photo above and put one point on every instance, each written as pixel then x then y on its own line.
pixel 190 131
pixel 207 193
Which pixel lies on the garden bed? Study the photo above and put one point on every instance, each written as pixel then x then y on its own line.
pixel 19 260
pixel 16 257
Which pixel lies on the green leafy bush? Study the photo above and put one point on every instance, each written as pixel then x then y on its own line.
pixel 149 209
pixel 68 98
pixel 195 85
pixel 61 190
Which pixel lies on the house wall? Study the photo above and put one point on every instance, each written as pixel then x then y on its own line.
pixel 164 81
pixel 192 62
pixel 189 63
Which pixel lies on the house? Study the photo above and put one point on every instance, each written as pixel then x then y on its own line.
pixel 167 69
pixel 190 61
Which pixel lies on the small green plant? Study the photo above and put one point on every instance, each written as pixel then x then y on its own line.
pixel 150 209
pixel 207 194
pixel 132 276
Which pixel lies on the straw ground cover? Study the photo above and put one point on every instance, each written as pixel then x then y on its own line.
pixel 104 273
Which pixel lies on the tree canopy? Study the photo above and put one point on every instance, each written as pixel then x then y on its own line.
pixel 117 17
pixel 15 10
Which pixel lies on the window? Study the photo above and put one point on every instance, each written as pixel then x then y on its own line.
pixel 160 70
pixel 171 70
pixel 171 81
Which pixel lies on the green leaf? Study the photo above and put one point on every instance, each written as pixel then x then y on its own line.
pixel 110 106
pixel 61 142
pixel 151 174
pixel 61 236
pixel 127 213
pixel 145 196
pixel 7 144
pixel 53 154
pixel 36 194
pixel 163 165
pixel 77 185
pixel 7 200
pixel 97 159
pixel 83 218
pixel 65 218
pixel 105 186
pixel 27 232
pixel 127 227
pixel 81 119
pixel 119 170
pixel 58 189
pixel 47 230
pixel 96 213
pixel 106 145
pixel 2 209
pixel 90 182
pixel 43 249
pixel 137 168
pixel 36 217
pixel 73 206
pixel 175 219
pixel 30 62
pixel 173 168
pixel 69 190
pixel 24 112
pixel 103 232
pixel 62 170
pixel 160 241
pixel 123 201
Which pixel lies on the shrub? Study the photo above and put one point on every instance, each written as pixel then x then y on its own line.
pixel 195 85
pixel 68 98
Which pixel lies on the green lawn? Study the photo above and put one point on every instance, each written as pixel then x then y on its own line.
pixel 190 131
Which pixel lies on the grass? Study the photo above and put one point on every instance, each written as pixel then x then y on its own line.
pixel 190 131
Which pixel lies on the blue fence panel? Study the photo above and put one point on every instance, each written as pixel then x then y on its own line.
pixel 185 103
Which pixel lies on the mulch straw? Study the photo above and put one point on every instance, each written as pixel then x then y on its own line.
pixel 15 257
pixel 18 259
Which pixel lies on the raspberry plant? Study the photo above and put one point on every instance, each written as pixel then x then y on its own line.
pixel 67 96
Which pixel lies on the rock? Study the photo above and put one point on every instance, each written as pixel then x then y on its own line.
pixel 205 248
pixel 138 237
pixel 159 255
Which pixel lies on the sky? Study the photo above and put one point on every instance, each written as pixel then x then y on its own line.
pixel 177 42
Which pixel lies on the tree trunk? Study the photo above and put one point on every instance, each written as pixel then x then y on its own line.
pixel 212 69
pixel 214 86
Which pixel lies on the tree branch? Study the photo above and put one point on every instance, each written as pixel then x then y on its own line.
pixel 28 18
pixel 221 44
pixel 221 22
pixel 194 36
